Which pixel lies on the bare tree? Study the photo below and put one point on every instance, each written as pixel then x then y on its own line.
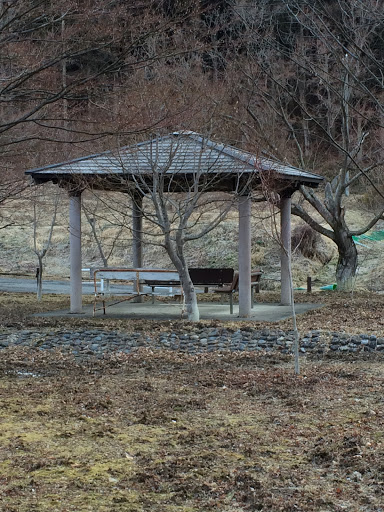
pixel 94 211
pixel 41 243
pixel 322 82
pixel 269 189
pixel 177 206
pixel 75 73
pixel 66 67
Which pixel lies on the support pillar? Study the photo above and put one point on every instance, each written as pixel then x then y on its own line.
pixel 285 223
pixel 137 231
pixel 137 236
pixel 245 256
pixel 75 251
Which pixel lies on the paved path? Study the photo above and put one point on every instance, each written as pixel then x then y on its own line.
pixel 19 284
pixel 173 311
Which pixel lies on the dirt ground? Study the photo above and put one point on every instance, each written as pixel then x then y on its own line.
pixel 163 431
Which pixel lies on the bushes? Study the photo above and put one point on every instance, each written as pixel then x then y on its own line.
pixel 309 243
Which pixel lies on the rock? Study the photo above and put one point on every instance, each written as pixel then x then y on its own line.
pixel 356 476
pixel 97 342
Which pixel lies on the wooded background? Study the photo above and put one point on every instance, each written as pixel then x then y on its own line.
pixel 301 79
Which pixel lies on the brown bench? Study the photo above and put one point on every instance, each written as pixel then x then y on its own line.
pixel 211 276
pixel 234 287
pixel 200 277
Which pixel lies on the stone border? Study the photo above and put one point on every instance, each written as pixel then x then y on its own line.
pixel 97 343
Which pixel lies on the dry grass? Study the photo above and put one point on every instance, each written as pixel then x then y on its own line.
pixel 166 431
pixel 360 312
pixel 163 431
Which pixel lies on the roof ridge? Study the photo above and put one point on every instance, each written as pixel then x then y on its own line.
pixel 220 146
pixel 231 151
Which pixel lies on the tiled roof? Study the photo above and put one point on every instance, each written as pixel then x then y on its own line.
pixel 179 153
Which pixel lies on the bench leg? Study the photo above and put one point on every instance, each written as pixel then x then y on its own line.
pixel 95 305
pixel 153 294
pixel 252 296
pixel 231 303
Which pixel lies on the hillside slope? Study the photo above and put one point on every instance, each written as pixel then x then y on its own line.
pixel 218 248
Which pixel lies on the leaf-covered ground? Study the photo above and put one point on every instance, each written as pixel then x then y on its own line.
pixel 162 431
pixel 361 312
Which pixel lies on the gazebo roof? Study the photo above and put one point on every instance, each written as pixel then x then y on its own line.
pixel 177 156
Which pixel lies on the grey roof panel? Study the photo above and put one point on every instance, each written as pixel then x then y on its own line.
pixel 178 153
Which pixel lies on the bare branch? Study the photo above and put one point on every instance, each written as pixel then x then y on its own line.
pixel 300 212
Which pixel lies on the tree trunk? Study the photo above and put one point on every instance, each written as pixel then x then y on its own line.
pixel 191 306
pixel 347 262
pixel 39 278
pixel 177 258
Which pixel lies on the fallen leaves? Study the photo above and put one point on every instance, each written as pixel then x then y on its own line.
pixel 157 430
pixel 207 433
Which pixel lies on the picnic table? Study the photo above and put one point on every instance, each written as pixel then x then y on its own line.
pixel 137 276
pixel 225 281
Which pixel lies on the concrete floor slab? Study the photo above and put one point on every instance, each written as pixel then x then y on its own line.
pixel 173 311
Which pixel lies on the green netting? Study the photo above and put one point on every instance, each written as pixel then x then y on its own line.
pixel 374 236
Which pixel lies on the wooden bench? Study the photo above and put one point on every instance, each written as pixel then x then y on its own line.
pixel 135 275
pixel 211 277
pixel 206 277
pixel 234 287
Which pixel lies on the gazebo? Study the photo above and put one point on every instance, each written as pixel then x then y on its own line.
pixel 185 160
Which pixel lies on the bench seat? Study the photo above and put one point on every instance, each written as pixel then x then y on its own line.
pixel 234 287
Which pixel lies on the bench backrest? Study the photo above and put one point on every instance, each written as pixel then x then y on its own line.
pixel 256 276
pixel 211 276
pixel 134 274
pixel 199 276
